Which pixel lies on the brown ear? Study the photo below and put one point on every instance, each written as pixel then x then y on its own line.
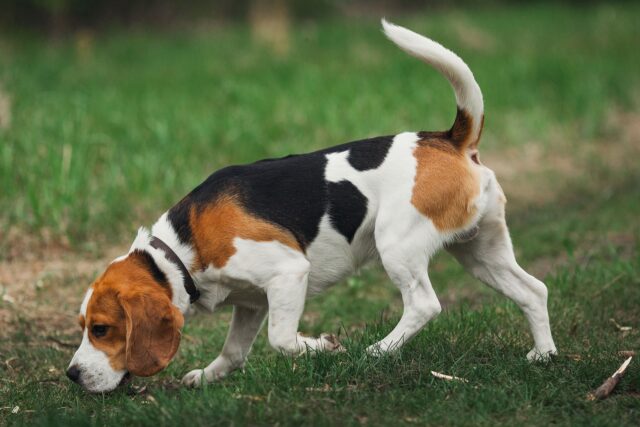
pixel 153 331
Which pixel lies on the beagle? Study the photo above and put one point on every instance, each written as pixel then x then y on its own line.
pixel 264 236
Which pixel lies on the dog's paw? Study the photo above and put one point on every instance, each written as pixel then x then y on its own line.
pixel 330 343
pixel 195 378
pixel 536 355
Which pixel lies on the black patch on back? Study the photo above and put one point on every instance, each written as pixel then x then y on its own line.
pixel 369 153
pixel 290 191
pixel 347 207
pixel 179 218
pixel 150 264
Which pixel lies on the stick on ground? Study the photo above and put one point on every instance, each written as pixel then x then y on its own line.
pixel 607 387
pixel 448 377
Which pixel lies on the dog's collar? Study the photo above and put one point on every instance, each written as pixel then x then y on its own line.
pixel 189 286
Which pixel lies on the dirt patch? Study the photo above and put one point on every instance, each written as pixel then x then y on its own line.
pixel 46 292
pixel 472 36
pixel 5 109
pixel 537 173
pixel 473 297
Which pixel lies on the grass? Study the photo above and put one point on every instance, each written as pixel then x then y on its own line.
pixel 109 131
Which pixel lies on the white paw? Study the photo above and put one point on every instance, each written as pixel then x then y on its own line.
pixel 375 350
pixel 536 355
pixel 195 378
pixel 330 343
pixel 381 348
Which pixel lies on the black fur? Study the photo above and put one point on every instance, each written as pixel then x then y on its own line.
pixel 147 260
pixel 290 191
pixel 371 155
pixel 347 208
pixel 179 218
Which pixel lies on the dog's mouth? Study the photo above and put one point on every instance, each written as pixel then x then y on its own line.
pixel 125 379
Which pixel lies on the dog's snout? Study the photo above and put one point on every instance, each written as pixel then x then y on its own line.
pixel 73 373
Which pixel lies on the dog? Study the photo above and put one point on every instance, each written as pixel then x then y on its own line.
pixel 263 237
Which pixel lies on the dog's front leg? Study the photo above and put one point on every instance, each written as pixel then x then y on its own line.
pixel 245 325
pixel 286 295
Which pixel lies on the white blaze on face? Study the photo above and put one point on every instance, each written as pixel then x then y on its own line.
pixel 96 373
pixel 85 302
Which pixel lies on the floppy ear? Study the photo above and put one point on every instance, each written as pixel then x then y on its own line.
pixel 153 331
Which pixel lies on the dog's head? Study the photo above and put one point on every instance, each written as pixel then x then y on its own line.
pixel 129 325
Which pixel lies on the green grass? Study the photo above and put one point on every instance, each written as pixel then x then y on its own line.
pixel 105 139
pixel 483 340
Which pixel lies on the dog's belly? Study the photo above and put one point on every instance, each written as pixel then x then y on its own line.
pixel 333 258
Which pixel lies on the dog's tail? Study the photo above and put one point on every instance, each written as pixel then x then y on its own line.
pixel 467 127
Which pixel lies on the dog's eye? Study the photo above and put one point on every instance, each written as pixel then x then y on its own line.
pixel 99 330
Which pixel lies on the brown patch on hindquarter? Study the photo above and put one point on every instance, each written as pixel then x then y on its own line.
pixel 214 228
pixel 445 184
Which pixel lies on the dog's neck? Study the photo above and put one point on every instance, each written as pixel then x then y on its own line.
pixel 163 230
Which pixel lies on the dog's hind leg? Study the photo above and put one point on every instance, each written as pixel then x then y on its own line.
pixel 405 260
pixel 489 257
pixel 245 325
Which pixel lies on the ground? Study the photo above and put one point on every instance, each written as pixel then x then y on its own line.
pixel 101 133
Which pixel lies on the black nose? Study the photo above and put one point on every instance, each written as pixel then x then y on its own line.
pixel 73 373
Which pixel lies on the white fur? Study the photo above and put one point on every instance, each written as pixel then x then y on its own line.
pixel 97 375
pixel 141 241
pixel 179 295
pixel 163 230
pixel 332 258
pixel 468 93
pixel 85 301
pixel 490 258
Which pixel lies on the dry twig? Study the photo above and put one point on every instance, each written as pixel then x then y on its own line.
pixel 620 327
pixel 448 377
pixel 607 387
pixel 62 343
pixel 608 285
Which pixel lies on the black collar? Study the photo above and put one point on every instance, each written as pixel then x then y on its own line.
pixel 189 286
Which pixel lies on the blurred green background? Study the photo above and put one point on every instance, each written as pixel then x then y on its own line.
pixel 111 111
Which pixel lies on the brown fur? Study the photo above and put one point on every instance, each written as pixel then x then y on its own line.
pixel 460 133
pixel 215 227
pixel 81 321
pixel 445 184
pixel 459 136
pixel 143 326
